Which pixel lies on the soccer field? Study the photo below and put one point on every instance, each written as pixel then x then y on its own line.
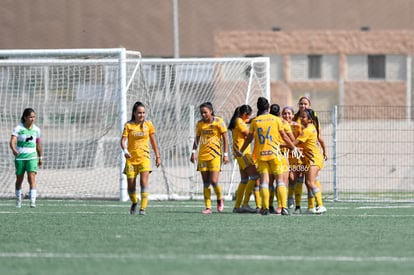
pixel 101 237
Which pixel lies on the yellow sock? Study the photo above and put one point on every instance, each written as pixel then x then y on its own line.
pixel 207 197
pixel 248 191
pixel 298 193
pixel 264 193
pixel 144 200
pixel 311 201
pixel 279 199
pixel 257 197
pixel 291 190
pixel 217 191
pixel 282 194
pixel 240 194
pixel 133 196
pixel 319 185
pixel 318 196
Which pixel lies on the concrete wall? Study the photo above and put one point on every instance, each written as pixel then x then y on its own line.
pixel 146 25
pixel 226 28
pixel 291 45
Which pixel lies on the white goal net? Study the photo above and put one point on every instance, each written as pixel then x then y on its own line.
pixel 83 97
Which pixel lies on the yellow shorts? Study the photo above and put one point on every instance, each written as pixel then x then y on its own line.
pixel 132 170
pixel 276 166
pixel 245 161
pixel 296 165
pixel 213 165
pixel 318 161
pixel 295 161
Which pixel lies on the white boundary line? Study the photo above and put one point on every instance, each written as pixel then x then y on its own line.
pixel 239 215
pixel 204 257
pixel 57 203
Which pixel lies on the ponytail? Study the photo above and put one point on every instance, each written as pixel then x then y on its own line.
pixel 233 119
pixel 312 115
pixel 243 109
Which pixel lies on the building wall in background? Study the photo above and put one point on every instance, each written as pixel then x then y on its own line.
pixel 235 28
pixel 147 25
pixel 344 59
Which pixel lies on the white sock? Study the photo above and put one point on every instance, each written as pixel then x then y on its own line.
pixel 19 194
pixel 32 195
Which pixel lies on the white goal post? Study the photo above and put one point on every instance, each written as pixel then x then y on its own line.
pixel 174 89
pixel 83 97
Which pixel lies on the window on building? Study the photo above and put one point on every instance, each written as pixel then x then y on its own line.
pixel 376 66
pixel 315 66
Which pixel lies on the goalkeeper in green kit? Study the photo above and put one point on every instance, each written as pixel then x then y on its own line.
pixel 26 147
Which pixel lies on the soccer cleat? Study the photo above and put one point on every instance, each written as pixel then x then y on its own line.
pixel 258 210
pixel 278 210
pixel 320 209
pixel 311 211
pixel 142 212
pixel 272 210
pixel 18 204
pixel 237 210
pixel 32 204
pixel 265 212
pixel 285 212
pixel 220 205
pixel 297 210
pixel 133 209
pixel 291 203
pixel 207 211
pixel 248 209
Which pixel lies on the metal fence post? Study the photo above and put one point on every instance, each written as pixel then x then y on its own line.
pixel 334 126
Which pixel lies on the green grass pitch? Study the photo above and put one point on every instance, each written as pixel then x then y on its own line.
pixel 62 237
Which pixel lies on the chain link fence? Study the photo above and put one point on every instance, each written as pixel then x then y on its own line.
pixel 371 153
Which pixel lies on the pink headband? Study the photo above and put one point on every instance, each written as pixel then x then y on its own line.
pixel 305 97
pixel 288 107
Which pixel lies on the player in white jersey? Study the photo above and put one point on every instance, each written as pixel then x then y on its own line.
pixel 26 147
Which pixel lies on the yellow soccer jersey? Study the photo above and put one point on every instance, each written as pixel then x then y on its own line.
pixel 138 140
pixel 210 138
pixel 283 126
pixel 309 143
pixel 238 135
pixel 266 132
pixel 286 127
pixel 300 122
pixel 288 130
pixel 296 131
pixel 296 128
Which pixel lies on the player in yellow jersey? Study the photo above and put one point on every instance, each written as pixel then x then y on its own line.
pixel 267 131
pixel 249 177
pixel 305 103
pixel 136 136
pixel 211 136
pixel 313 158
pixel 296 167
pixel 275 110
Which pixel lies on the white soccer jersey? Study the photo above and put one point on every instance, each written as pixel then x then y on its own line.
pixel 26 141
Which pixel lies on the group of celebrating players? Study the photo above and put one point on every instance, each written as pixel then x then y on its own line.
pixel 287 151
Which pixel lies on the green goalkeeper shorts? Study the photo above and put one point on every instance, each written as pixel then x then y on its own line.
pixel 25 166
